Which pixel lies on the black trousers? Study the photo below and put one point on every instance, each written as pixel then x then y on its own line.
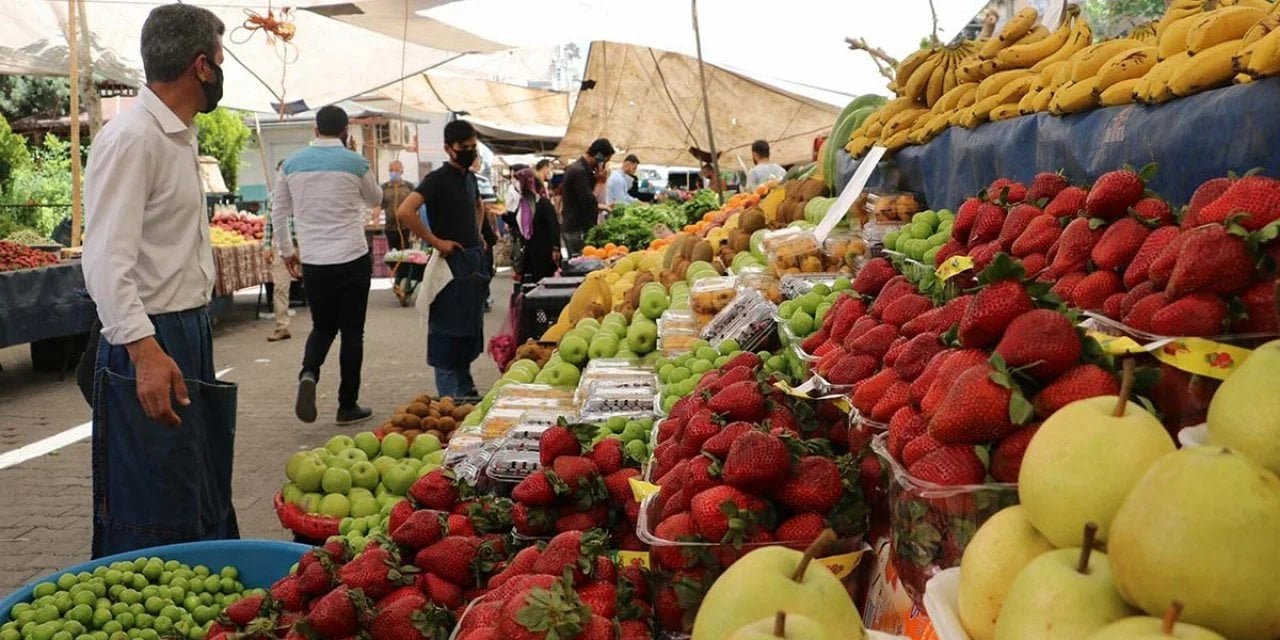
pixel 338 295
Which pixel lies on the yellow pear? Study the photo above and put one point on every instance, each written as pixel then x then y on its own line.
pixel 1083 461
pixel 1245 411
pixel 1065 594
pixel 782 627
pixel 1203 527
pixel 778 578
pixel 1004 545
pixel 1146 628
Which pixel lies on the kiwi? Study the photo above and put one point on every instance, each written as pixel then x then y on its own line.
pixel 435 432
pixel 417 409
pixel 752 220
pixel 412 433
pixel 702 251
pixel 430 423
pixel 448 424
pixel 407 421
pixel 460 413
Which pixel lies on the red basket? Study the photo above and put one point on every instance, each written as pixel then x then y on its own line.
pixel 306 525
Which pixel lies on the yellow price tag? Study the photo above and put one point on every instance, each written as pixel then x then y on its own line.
pixel 626 558
pixel 789 390
pixel 954 266
pixel 844 405
pixel 1116 345
pixel 641 489
pixel 843 565
pixel 1202 357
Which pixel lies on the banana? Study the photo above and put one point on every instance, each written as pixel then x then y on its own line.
pixel 1035 35
pixel 1178 10
pixel 896 141
pixel 1134 63
pixel 933 89
pixel 937 124
pixel 858 147
pixel 1042 100
pixel 1265 59
pixel 1242 78
pixel 969 119
pixel 901 122
pixel 1088 62
pixel 1144 33
pixel 1073 98
pixel 1048 73
pixel 1022 23
pixel 1222 25
pixel 1268 24
pixel 984 106
pixel 1027 103
pixel 1265 5
pixel 968 98
pixel 1023 55
pixel 950 99
pixel 1081 36
pixel 1157 90
pixel 917 84
pixel 1014 90
pixel 893 108
pixel 995 83
pixel 1173 39
pixel 1209 69
pixel 909 65
pixel 1118 93
pixel 1004 112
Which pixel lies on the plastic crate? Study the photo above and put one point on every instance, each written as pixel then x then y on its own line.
pixel 540 309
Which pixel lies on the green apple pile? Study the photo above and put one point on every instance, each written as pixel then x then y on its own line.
pixel 804 315
pixel 679 375
pixel 611 337
pixel 921 238
pixel 357 477
pixel 633 432
pixel 142 599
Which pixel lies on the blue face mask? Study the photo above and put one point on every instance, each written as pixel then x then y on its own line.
pixel 394 176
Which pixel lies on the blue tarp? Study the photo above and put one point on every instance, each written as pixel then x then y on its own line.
pixel 1192 139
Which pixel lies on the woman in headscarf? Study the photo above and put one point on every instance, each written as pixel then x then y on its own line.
pixel 535 229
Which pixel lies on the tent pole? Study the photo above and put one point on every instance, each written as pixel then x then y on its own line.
pixel 90 90
pixel 73 50
pixel 706 102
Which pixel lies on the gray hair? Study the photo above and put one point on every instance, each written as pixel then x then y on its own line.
pixel 174 36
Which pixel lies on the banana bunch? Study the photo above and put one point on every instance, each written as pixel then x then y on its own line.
pixel 927 74
pixel 1259 55
pixel 1203 45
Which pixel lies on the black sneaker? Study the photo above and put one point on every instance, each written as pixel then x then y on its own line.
pixel 353 415
pixel 305 406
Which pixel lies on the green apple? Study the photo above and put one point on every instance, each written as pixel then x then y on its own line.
pixel 564 374
pixel 382 464
pixel 311 502
pixel 1064 594
pixel 890 239
pixel 707 353
pixel 335 505
pixel 1201 527
pixel 588 323
pixel 398 479
pixel 412 463
pixel 521 376
pixel 435 457
pixel 1082 463
pixel 614 316
pixel 784 627
pixel 604 345
pixel 1004 545
pixel 339 462
pixel 357 492
pixel 364 506
pixel 653 303
pixel 364 475
pixel 395 445
pixel 368 443
pixel 642 336
pixel 338 443
pixel 1148 628
pixel 292 493
pixel 427 467
pixel 424 444
pixel 574 350
pixel 310 474
pixel 700 367
pixel 336 480
pixel 929 218
pixel 1245 411
pixel 323 454
pixel 295 462
pixel 353 455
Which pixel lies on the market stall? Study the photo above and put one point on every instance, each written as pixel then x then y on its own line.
pixel 48 307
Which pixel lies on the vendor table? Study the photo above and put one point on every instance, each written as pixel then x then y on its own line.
pixel 238 267
pixel 49 308
pixel 1192 139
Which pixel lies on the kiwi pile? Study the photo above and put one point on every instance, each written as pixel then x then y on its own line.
pixel 437 416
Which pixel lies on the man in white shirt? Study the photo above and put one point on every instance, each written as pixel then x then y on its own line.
pixel 619 184
pixel 328 190
pixel 763 171
pixel 164 428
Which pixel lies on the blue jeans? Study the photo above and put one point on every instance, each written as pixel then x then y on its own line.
pixel 456 383
pixel 154 484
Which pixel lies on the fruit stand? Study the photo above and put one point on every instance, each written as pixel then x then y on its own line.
pixel 46 306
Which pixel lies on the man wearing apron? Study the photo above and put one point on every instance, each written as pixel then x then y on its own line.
pixel 163 426
pixel 455 328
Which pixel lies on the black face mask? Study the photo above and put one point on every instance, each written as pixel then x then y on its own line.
pixel 212 90
pixel 465 158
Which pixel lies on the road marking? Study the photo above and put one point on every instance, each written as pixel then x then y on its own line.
pixel 57 441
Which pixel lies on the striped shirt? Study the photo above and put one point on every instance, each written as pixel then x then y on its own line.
pixel 326 191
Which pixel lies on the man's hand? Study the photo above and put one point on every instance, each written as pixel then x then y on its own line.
pixel 268 256
pixel 294 265
pixel 446 247
pixel 159 381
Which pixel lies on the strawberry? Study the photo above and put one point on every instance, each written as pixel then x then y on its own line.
pixel 781 417
pixel 677 528
pixel 422 529
pixel 1257 197
pixel 905 308
pixel 905 425
pixel 441 591
pixel 601 597
pixel 815 486
pixel 844 319
pixel 1094 289
pixel 1018 220
pixel 988 224
pixel 982 405
pixel 739 401
pixel 538 489
pixel 1162 265
pixel 1039 235
pixel 243 611
pixel 576 472
pixel 868 392
pixel 685 407
pixel 1074 246
pixel 1131 297
pixel 1113 194
pixel 745 359
pixel 435 490
pixel 756 462
pixel 827 361
pixel 990 311
pixel 919 448
pixel 1139 316
pixel 287 593
pixel 702 427
pixel 316 579
pixel 1046 185
pixel 618 484
pixel 605 570
pixel 897 287
pixel 1136 272
pixel 952 247
pixel 1205 194
pixel 1211 260
pixel 574 549
pixel 873 276
pixel 399 515
pixel 737 374
pixel 966 216
pixel 951 466
pixel 1260 309
pixel 896 348
pixel 521 564
pixel 518 584
pixel 1006 458
pixel 1034 264
pixel 719 445
pixel 1111 307
pixel 895 397
pixel 1065 287
pixel 452 558
pixel 852 368
pixel 558 440
pixel 1153 212
pixel 948 372
pixel 802 528
pixel 531 521
pixel 875 342
pixel 1068 203
pixel 1118 244
pixel 540 614
pixel 338 614
pixel 1077 383
pixel 607 455
pixel 916 355
pixel 1199 314
pixel 573 519
pixel 726 514
pixel 984 254
pixel 376 572
pixel 815 341
pixel 920 386
pixel 634 630
pixel 1042 343
pixel 860 326
pixel 951 314
pixel 409 620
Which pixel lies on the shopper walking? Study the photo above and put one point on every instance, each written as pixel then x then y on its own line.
pixel 764 170
pixel 394 191
pixel 163 426
pixel 621 181
pixel 281 279
pixel 455 327
pixel 535 231
pixel 329 190
pixel 580 209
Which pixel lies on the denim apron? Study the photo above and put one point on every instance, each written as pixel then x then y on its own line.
pixel 154 484
pixel 455 329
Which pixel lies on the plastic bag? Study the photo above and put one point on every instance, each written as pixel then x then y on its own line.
pixel 502 346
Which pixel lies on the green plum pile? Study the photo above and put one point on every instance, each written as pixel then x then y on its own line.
pixel 143 599
pixel 634 433
pixel 923 237
pixel 679 375
pixel 803 315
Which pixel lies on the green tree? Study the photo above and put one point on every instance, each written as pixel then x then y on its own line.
pixel 1114 17
pixel 43 187
pixel 41 97
pixel 223 135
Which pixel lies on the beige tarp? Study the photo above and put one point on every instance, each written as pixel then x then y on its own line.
pixel 649 103
pixel 499 105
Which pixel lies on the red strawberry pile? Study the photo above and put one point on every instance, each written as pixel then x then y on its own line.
pixel 578 487
pixel 15 256
pixel 567 590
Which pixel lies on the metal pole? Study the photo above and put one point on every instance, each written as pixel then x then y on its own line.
pixel 74 56
pixel 706 103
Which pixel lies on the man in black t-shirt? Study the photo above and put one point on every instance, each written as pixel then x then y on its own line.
pixel 579 208
pixel 455 330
